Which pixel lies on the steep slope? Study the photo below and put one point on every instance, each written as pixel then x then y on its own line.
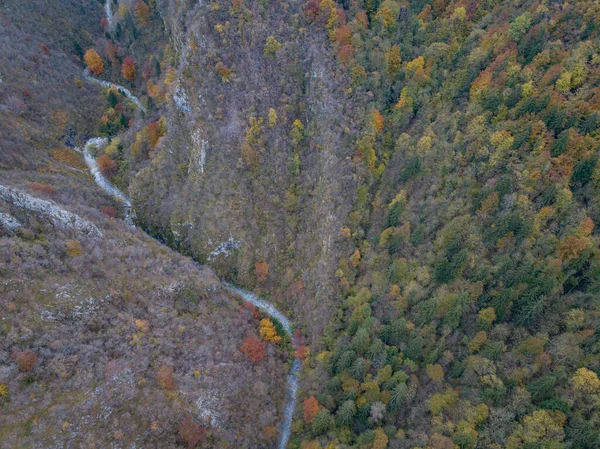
pixel 256 151
pixel 449 153
pixel 111 339
pixel 107 339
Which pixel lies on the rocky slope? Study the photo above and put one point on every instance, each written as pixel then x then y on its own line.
pixel 107 338
pixel 259 155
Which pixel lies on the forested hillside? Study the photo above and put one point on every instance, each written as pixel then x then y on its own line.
pixel 107 337
pixel 416 183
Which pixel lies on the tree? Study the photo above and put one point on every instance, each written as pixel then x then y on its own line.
pixel 388 14
pixel 381 439
pixel 268 332
pixel 253 349
pixel 302 352
pixel 224 72
pixel 378 121
pixel 272 117
pixel 15 104
pixel 164 377
pixel 394 61
pixel 26 360
pixel 519 26
pixel 107 165
pixel 311 407
pixel 479 339
pixel 345 413
pixel 416 64
pixel 142 12
pixel 93 62
pixel 190 432
pixel 128 69
pixel 261 269
pixel 322 422
pixel 73 248
pixel 297 133
pixel 585 381
pixel 435 373
pixel 542 428
pixel 271 47
pixel 439 402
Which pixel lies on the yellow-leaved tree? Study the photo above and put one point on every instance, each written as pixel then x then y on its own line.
pixel 93 62
pixel 268 332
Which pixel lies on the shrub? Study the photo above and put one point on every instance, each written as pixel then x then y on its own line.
pixel 26 360
pixel 190 432
pixel 164 377
pixel 42 188
pixel 109 211
pixel 73 248
pixel 262 270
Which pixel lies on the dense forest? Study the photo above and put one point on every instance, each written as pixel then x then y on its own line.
pixel 415 183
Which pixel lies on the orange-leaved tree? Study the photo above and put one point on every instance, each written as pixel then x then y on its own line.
pixel 93 62
pixel 107 165
pixel 128 69
pixel 311 407
pixel 262 270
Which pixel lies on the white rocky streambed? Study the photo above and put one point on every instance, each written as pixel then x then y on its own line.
pixel 108 13
pixel 265 306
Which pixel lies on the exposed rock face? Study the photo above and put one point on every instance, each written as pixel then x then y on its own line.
pixel 237 164
pixel 58 217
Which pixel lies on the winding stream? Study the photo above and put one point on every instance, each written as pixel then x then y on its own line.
pixel 265 306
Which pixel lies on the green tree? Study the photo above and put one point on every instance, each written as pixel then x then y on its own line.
pixel 271 47
pixel 323 422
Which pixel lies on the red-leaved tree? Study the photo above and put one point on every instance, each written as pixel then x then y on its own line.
pixel 190 432
pixel 253 349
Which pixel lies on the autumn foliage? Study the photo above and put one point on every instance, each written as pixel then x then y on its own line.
pixel 311 407
pixel 108 211
pixel 42 188
pixel 107 165
pixel 190 432
pixel 93 62
pixel 302 352
pixel 142 12
pixel 164 377
pixel 26 360
pixel 73 248
pixel 253 349
pixel 262 270
pixel 128 69
pixel 268 332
